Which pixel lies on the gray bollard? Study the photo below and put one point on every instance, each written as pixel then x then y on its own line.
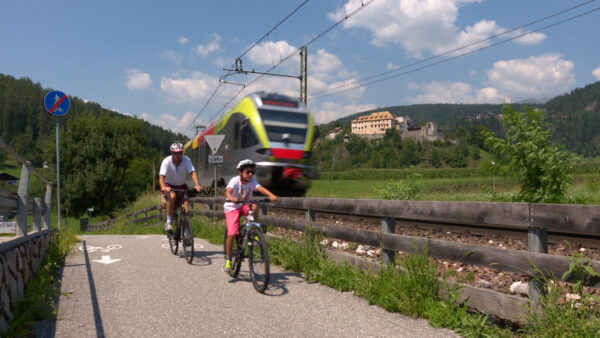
pixel 23 195
pixel 37 214
pixel 47 205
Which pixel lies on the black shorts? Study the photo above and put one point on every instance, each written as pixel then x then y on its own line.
pixel 179 195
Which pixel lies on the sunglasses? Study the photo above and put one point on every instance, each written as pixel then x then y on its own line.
pixel 249 172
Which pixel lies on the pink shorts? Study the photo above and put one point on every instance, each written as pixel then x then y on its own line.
pixel 233 219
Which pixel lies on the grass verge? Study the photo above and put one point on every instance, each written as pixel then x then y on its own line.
pixel 414 292
pixel 41 290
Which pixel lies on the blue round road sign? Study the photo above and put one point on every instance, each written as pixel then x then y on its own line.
pixel 57 103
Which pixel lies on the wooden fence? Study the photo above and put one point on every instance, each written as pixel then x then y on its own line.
pixel 535 219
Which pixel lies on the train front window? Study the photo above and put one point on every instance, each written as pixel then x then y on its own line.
pixel 283 126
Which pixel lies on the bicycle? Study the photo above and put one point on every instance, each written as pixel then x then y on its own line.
pixel 251 243
pixel 181 219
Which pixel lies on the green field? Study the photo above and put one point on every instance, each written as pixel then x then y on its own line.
pixel 585 189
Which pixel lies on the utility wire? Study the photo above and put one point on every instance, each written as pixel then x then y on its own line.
pixel 244 53
pixel 460 55
pixel 272 29
pixel 333 90
pixel 346 17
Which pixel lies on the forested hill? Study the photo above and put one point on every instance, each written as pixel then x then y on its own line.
pixel 29 129
pixel 442 113
pixel 573 118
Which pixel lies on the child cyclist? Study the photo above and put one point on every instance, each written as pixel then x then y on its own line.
pixel 240 188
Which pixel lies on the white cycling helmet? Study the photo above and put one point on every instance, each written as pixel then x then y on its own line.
pixel 246 163
pixel 176 147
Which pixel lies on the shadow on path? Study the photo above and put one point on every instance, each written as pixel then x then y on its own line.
pixel 95 305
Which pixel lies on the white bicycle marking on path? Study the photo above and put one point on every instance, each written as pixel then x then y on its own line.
pixel 101 249
pixel 196 246
pixel 106 260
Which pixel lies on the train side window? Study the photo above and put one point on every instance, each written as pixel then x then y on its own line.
pixel 236 135
pixel 248 137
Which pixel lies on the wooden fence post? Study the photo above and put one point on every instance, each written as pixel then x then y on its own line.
pixel 387 227
pixel 310 216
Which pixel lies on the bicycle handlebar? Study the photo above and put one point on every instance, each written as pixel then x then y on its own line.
pixel 255 201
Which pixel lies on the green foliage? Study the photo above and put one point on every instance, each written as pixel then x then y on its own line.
pixel 41 290
pixel 97 154
pixel 398 190
pixel 580 270
pixel 542 168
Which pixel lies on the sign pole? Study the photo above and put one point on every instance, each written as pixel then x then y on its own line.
pixel 58 169
pixel 57 104
pixel 215 180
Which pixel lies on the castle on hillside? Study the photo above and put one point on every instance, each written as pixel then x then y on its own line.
pixel 374 126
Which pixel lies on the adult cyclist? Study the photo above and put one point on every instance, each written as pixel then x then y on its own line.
pixel 240 188
pixel 173 172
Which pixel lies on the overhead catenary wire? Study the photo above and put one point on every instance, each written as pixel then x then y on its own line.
pixel 318 36
pixel 244 53
pixel 334 90
pixel 461 55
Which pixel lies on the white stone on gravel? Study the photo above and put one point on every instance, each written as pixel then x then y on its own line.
pixel 484 284
pixel 519 288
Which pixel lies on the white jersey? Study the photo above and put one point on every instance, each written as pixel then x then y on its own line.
pixel 243 192
pixel 175 175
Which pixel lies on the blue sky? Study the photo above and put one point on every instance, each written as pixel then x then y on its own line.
pixel 161 61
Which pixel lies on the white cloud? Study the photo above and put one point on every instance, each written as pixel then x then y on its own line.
pixel 183 40
pixel 330 111
pixel 211 46
pixel 177 124
pixel 172 56
pixel 193 89
pixel 596 73
pixel 136 79
pixel 270 53
pixel 538 77
pixel 531 39
pixel 422 25
pixel 456 92
pixel 326 70
pixel 391 66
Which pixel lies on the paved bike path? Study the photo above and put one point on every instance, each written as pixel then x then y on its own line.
pixel 132 286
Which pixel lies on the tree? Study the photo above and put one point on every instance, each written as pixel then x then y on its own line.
pixel 96 155
pixel 542 168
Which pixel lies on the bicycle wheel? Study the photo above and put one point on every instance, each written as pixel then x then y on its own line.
pixel 258 255
pixel 237 257
pixel 188 239
pixel 174 237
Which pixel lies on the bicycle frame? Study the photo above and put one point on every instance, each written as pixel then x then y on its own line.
pixel 251 240
pixel 182 223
